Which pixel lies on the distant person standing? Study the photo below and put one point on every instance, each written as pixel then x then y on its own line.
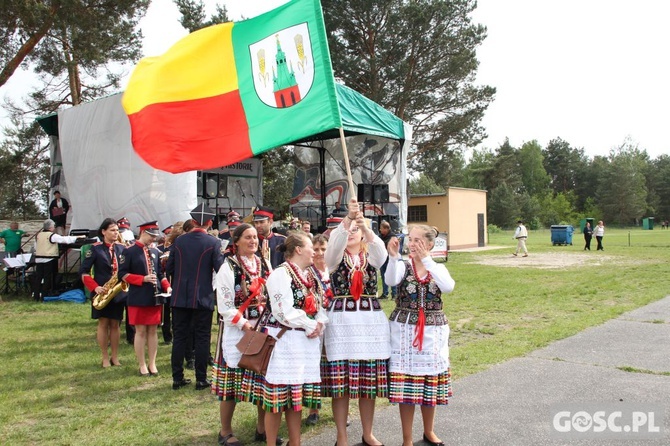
pixel 125 231
pixel 58 210
pixel 588 235
pixel 599 232
pixel 385 234
pixel 520 235
pixel 12 239
pixel 269 241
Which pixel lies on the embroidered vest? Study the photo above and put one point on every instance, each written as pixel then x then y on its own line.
pixel 411 295
pixel 340 280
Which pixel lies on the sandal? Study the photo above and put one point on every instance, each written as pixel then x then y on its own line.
pixel 223 441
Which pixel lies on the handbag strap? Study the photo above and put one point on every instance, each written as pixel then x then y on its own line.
pixel 257 327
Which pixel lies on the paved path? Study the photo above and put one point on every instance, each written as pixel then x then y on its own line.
pixel 511 403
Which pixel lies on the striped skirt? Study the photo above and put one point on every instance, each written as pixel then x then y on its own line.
pixel 423 390
pixel 357 378
pixel 234 384
pixel 277 398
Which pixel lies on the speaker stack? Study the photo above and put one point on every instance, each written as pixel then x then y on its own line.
pixel 373 193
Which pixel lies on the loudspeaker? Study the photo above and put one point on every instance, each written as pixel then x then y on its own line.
pixel 210 182
pixel 222 189
pixel 380 193
pixel 214 185
pixel 199 185
pixel 365 193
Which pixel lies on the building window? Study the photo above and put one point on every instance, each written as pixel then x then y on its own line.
pixel 417 214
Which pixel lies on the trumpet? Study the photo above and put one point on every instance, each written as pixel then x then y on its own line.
pixel 113 286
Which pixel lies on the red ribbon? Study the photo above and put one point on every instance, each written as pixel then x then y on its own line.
pixel 254 289
pixel 418 330
pixel 357 284
pixel 310 305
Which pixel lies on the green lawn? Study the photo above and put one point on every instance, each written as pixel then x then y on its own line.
pixel 54 390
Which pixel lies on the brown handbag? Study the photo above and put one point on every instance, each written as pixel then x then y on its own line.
pixel 256 347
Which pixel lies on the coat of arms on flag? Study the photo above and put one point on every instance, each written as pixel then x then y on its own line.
pixel 283 66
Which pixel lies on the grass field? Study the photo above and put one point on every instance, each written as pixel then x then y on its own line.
pixel 54 391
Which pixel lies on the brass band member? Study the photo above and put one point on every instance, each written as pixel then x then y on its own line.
pixel 139 267
pixel 99 265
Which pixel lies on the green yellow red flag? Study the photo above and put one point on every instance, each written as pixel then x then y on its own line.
pixel 231 91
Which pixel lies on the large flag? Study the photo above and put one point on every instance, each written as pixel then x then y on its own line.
pixel 234 90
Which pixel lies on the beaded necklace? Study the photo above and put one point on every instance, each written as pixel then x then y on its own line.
pixel 349 260
pixel 312 302
pixel 424 281
pixel 251 267
pixel 306 279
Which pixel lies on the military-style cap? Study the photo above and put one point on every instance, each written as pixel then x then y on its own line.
pixel 151 228
pixel 232 216
pixel 263 213
pixel 333 222
pixel 123 223
pixel 234 223
pixel 202 214
pixel 167 230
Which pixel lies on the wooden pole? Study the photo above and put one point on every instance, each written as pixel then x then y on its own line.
pixel 350 179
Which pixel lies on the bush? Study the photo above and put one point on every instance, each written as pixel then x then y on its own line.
pixel 493 229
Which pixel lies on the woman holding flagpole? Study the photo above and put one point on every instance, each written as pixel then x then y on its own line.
pixel 357 340
pixel 419 371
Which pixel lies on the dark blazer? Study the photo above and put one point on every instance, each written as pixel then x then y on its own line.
pixel 133 261
pixel 59 219
pixel 195 259
pixel 97 258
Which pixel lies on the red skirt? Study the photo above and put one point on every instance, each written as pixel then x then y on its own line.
pixel 145 315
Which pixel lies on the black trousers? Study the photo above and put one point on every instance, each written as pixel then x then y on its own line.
pixel 587 239
pixel 200 320
pixel 167 323
pixel 600 243
pixel 45 272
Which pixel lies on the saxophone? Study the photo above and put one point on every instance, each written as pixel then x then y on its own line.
pixel 113 286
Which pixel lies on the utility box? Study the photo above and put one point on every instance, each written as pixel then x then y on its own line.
pixel 648 223
pixel 561 234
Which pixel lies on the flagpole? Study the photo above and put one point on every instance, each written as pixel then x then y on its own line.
pixel 346 163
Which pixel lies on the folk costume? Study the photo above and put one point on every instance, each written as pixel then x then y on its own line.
pixel 240 286
pixel 357 339
pixel 419 365
pixel 99 265
pixel 295 304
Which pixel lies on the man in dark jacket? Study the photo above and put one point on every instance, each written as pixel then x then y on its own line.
pixel 196 258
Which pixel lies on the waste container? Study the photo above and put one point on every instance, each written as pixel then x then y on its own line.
pixel 561 234
pixel 648 223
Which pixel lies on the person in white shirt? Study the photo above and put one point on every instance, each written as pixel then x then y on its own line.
pixel 520 235
pixel 599 233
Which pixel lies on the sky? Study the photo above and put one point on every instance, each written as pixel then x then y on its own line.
pixel 592 72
